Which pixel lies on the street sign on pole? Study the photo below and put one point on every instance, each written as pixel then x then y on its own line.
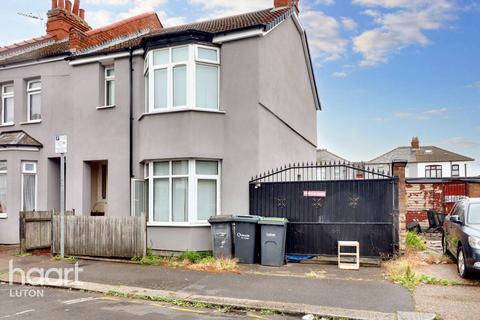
pixel 61 148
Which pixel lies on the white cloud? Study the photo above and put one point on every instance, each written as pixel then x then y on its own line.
pixel 422 115
pixel 103 17
pixel 438 111
pixel 475 85
pixel 339 74
pixel 324 35
pixel 325 2
pixel 349 24
pixel 400 28
pixel 108 2
pixel 461 142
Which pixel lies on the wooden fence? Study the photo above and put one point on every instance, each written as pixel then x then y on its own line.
pixel 36 230
pixel 121 237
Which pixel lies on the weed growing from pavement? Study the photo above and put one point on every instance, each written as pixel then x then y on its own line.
pixel 25 254
pixel 70 259
pixel 198 261
pixel 415 241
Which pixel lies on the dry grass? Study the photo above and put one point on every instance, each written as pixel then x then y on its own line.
pixel 431 258
pixel 214 265
pixel 399 266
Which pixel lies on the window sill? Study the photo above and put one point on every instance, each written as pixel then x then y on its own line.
pixel 3 216
pixel 176 110
pixel 7 125
pixel 178 224
pixel 31 122
pixel 105 107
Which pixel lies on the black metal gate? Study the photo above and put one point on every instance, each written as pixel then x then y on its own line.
pixel 327 203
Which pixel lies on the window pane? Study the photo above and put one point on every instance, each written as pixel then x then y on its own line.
pixel 110 93
pixel 8 89
pixel 161 169
pixel 35 85
pixel 207 54
pixel 179 54
pixel 29 192
pixel 160 87
pixel 29 167
pixel 161 57
pixel 139 198
pixel 474 214
pixel 207 167
pixel 147 93
pixel 180 199
pixel 3 165
pixel 161 196
pixel 110 72
pixel 180 86
pixel 8 110
pixel 35 107
pixel 206 199
pixel 3 193
pixel 207 87
pixel 180 167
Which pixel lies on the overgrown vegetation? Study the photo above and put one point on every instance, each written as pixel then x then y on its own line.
pixel 199 261
pixel 401 271
pixel 415 241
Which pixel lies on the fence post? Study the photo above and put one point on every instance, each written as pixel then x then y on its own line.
pixel 399 172
pixel 23 249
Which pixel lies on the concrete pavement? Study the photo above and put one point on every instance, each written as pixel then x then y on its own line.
pixel 298 285
pixel 19 302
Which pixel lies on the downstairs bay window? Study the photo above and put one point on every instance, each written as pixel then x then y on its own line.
pixel 182 77
pixel 182 192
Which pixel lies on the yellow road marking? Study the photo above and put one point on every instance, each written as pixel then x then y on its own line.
pixel 188 310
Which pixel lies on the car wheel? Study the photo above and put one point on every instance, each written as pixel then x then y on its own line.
pixel 462 264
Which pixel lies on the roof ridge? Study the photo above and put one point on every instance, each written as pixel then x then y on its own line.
pixel 115 41
pixel 120 23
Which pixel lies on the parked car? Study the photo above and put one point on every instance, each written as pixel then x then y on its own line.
pixel 461 235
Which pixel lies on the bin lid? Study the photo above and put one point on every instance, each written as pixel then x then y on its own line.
pixel 273 221
pixel 221 219
pixel 251 219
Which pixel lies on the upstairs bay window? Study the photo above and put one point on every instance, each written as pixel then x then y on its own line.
pixel 183 77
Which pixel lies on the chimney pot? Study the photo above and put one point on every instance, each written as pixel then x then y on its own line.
pixel 54 4
pixel 415 144
pixel 286 3
pixel 82 14
pixel 68 5
pixel 76 7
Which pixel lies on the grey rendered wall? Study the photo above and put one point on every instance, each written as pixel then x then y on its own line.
pixel 179 239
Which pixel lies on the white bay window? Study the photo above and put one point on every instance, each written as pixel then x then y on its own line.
pixel 182 192
pixel 183 77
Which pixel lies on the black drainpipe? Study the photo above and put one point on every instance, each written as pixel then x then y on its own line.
pixel 131 111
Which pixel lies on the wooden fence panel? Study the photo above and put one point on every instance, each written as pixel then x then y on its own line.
pixel 122 237
pixel 36 230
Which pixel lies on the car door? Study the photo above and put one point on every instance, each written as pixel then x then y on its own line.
pixel 456 228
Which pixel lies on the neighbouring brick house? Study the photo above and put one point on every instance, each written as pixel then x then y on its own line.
pixel 167 122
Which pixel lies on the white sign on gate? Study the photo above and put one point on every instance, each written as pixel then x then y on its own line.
pixel 60 144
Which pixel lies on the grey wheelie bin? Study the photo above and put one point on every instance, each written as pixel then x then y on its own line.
pixel 245 238
pixel 273 239
pixel 222 244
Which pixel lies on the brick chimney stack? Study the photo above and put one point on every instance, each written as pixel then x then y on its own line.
pixel 415 144
pixel 287 3
pixel 64 17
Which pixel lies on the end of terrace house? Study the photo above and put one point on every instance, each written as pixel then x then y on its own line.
pixel 169 123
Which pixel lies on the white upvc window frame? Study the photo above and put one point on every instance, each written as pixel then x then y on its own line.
pixel 190 63
pixel 193 178
pixel 7 95
pixel 4 215
pixel 31 92
pixel 144 200
pixel 108 79
pixel 29 172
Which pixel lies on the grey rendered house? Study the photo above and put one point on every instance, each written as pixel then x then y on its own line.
pixel 170 123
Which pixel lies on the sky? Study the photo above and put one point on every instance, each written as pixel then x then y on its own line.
pixel 387 70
